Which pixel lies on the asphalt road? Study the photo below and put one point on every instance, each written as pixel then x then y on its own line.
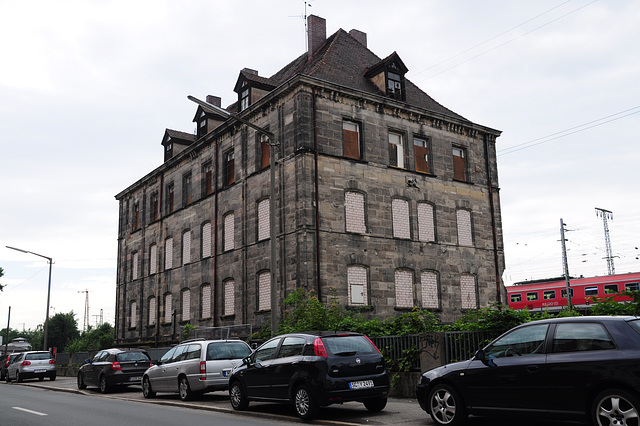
pixel 63 403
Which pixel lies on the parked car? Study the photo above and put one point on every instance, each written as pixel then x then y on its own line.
pixel 31 364
pixel 5 360
pixel 194 367
pixel 312 370
pixel 114 367
pixel 578 368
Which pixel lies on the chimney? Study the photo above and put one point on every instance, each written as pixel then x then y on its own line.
pixel 359 36
pixel 316 33
pixel 214 100
pixel 250 71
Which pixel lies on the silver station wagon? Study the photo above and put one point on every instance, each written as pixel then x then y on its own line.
pixel 194 367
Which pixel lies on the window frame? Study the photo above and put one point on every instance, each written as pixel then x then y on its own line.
pixel 459 164
pixel 187 193
pixel 418 160
pixel 228 167
pixel 348 141
pixel 397 151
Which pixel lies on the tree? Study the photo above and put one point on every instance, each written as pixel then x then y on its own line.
pixel 63 329
pixel 94 339
pixel 1 275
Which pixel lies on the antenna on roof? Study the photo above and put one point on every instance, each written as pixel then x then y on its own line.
pixel 304 17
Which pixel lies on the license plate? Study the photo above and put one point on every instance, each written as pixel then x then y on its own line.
pixel 39 371
pixel 135 379
pixel 226 373
pixel 362 384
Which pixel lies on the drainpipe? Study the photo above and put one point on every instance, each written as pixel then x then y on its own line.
pixel 317 196
pixel 215 232
pixel 494 231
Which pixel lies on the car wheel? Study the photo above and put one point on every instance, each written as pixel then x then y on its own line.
pixel 306 407
pixel 7 378
pixel 615 407
pixel 104 387
pixel 18 378
pixel 184 389
pixel 81 383
pixel 40 378
pixel 446 406
pixel 147 392
pixel 375 404
pixel 52 378
pixel 237 397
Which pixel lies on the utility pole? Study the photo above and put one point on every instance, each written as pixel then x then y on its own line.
pixel 86 309
pixel 604 214
pixel 565 264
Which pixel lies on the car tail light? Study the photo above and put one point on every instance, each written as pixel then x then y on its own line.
pixel 374 345
pixel 318 347
pixel 25 363
pixel 203 370
pixel 116 366
pixel 52 361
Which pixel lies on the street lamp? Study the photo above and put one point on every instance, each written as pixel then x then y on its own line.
pixel 272 201
pixel 46 320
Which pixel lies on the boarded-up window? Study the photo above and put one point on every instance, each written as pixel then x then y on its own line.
pixel 134 266
pixel 264 291
pixel 152 310
pixel 206 240
pixel 186 247
pixel 205 297
pixel 421 154
pixel 468 292
pixel 186 304
pixel 229 297
pixel 465 233
pixel 351 139
pixel 430 290
pixel 229 225
pixel 426 225
pixel 133 310
pixel 354 212
pixel 263 220
pixel 404 289
pixel 153 259
pixel 357 285
pixel 400 216
pixel 168 253
pixel 168 308
pixel 459 164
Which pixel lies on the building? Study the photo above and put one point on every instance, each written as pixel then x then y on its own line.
pixel 384 199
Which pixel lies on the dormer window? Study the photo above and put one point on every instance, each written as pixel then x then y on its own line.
pixel 388 76
pixel 394 85
pixel 244 100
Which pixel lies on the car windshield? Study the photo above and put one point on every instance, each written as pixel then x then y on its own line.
pixel 133 356
pixel 38 356
pixel 228 350
pixel 349 345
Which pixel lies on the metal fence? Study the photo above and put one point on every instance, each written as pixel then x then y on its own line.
pixel 395 348
pixel 461 345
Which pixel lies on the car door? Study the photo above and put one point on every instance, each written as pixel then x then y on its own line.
pixel 91 371
pixel 171 369
pixel 257 374
pixel 512 374
pixel 285 365
pixel 13 367
pixel 157 375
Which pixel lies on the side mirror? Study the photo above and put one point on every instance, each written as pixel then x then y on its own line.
pixel 86 361
pixel 480 355
pixel 246 360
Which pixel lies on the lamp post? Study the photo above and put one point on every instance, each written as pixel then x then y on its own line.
pixel 272 201
pixel 46 320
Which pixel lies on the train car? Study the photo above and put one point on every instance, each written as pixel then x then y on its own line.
pixel 551 294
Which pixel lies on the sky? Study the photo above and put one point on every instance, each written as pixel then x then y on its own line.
pixel 87 89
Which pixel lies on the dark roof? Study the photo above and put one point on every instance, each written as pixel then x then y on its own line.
pixel 343 60
pixel 261 82
pixel 178 136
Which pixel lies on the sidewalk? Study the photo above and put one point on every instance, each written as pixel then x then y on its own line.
pixel 397 411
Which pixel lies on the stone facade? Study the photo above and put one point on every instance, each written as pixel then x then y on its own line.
pixel 384 238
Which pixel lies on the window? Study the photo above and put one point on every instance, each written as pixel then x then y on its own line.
pixel 135 219
pixel 134 266
pixel 206 240
pixel 610 288
pixel 459 164
pixel 153 259
pixel 421 154
pixel 133 307
pixel 426 223
pixel 263 220
pixel 230 297
pixel 400 218
pixel 205 301
pixel 394 85
pixel 549 294
pixel 168 308
pixel 357 285
pixel 520 342
pixel 563 293
pixel 465 234
pixel 229 227
pixel 591 291
pixel 266 351
pixel 469 292
pixel 631 287
pixel 264 291
pixel 152 310
pixel 244 99
pixel 532 296
pixel 168 253
pixel 515 298
pixel 430 290
pixel 354 212
pixel 186 190
pixel 207 180
pixel 264 151
pixel 291 346
pixel 351 140
pixel 169 201
pixel 575 337
pixel 228 168
pixel 396 150
pixel 154 207
pixel 186 247
pixel 404 289
pixel 186 304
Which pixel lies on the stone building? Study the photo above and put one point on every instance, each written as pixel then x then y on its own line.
pixel 384 199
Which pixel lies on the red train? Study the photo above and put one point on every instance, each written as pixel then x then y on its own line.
pixel 551 295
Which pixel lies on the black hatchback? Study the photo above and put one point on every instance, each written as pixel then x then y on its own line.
pixel 578 368
pixel 114 367
pixel 312 370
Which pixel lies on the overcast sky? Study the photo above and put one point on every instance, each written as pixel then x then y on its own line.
pixel 87 89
